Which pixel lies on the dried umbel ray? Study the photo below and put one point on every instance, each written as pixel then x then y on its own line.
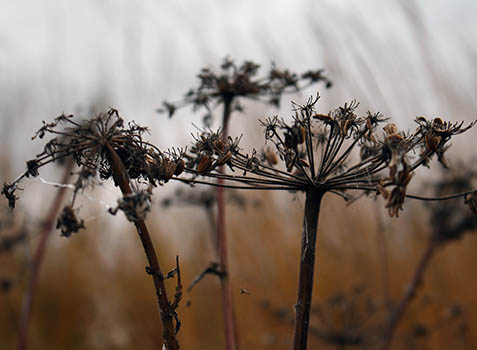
pixel 315 151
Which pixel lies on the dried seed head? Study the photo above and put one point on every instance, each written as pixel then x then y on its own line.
pixel 135 205
pixel 9 192
pixel 68 223
pixel 32 168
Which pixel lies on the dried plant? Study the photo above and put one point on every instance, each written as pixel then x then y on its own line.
pixel 313 154
pixel 105 145
pixel 449 221
pixel 228 88
pixel 236 82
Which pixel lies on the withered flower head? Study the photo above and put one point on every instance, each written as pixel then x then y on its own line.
pixel 315 151
pixel 68 223
pixel 95 144
pixel 235 81
pixel 9 192
pixel 135 205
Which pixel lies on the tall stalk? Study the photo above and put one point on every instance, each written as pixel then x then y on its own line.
pixel 221 239
pixel 307 267
pixel 410 293
pixel 165 309
pixel 37 260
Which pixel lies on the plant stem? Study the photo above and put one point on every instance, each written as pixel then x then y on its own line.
pixel 121 178
pixel 307 267
pixel 226 290
pixel 410 293
pixel 47 227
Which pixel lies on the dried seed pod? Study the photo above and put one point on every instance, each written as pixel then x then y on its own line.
pixel 290 160
pixel 271 157
pixel 383 191
pixel 149 159
pixel 223 159
pixel 298 132
pixel 390 129
pixel 471 201
pixel 394 138
pixel 304 163
pixel 291 141
pixel 205 164
pixel 180 165
pixel 169 168
pixel 323 117
pixel 432 142
pixel 219 146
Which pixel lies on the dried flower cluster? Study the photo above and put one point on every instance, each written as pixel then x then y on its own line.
pixel 315 151
pixel 135 206
pixel 241 81
pixel 89 143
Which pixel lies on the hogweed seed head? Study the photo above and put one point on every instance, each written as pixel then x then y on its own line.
pixel 236 81
pixel 90 143
pixel 315 151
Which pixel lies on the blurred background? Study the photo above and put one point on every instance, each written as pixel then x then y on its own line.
pixel 402 58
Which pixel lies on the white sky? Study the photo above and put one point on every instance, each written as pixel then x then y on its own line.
pixel 402 60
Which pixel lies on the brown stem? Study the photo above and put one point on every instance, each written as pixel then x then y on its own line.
pixel 307 267
pixel 410 293
pixel 165 309
pixel 383 258
pixel 226 290
pixel 37 260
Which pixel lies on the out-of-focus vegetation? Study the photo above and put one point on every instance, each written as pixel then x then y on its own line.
pixel 89 298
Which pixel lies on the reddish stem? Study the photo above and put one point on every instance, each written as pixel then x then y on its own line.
pixel 37 260
pixel 165 309
pixel 226 290
pixel 307 267
pixel 410 293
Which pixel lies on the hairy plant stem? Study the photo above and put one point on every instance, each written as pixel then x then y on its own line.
pixel 226 290
pixel 410 293
pixel 165 309
pixel 307 267
pixel 37 260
